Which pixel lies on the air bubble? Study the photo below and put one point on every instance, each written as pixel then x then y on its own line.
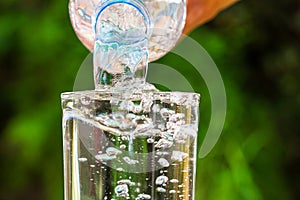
pixel 162 153
pixel 104 157
pixel 122 190
pixel 124 138
pixel 165 113
pixel 178 156
pixel 167 135
pixel 161 127
pixel 150 140
pixel 143 196
pixel 85 100
pixel 130 161
pixel 176 117
pixel 160 189
pixel 120 169
pixel 111 151
pixel 161 180
pixel 174 181
pixel 126 181
pixel 130 116
pixel 126 105
pixel 163 162
pixel 82 159
pixel 172 191
pixel 118 116
pixel 163 143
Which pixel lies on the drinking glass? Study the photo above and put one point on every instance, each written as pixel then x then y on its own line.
pixel 140 145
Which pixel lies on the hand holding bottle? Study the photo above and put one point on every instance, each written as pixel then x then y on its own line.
pixel 201 11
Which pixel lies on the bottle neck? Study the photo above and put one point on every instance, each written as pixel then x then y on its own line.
pixel 122 29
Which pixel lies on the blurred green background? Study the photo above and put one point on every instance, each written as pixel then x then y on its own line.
pixel 255 44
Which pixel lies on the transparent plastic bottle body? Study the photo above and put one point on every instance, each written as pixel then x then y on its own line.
pixel 167 16
pixel 137 146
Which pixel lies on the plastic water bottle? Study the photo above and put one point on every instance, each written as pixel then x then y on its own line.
pixel 165 20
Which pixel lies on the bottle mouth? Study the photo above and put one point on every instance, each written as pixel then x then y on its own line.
pixel 110 21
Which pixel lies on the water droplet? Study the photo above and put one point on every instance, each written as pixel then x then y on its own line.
pixel 122 146
pixel 92 166
pixel 163 162
pixel 161 180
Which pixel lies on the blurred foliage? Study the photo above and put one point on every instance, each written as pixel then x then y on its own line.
pixel 256 46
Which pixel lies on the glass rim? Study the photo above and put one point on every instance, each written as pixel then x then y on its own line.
pixel 180 98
